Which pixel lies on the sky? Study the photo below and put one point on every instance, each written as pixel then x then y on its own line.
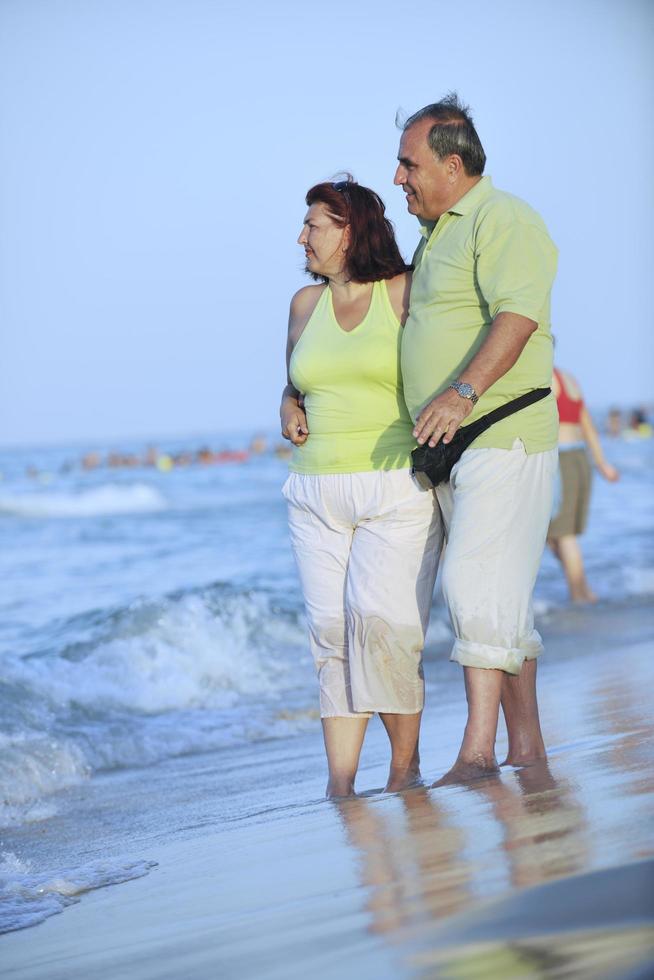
pixel 155 154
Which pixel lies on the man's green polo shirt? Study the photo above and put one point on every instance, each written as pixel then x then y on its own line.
pixel 490 253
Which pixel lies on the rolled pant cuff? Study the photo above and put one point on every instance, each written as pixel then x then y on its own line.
pixel 509 659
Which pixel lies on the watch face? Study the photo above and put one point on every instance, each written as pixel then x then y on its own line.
pixel 465 389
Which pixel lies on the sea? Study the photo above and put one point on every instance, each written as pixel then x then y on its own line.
pixel 151 613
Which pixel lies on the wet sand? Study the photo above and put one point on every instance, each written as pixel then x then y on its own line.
pixel 545 871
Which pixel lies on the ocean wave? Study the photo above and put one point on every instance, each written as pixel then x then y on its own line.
pixel 29 896
pixel 189 673
pixel 190 651
pixel 136 498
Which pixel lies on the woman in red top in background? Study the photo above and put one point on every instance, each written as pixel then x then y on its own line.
pixel 576 434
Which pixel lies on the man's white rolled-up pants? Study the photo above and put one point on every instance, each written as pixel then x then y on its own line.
pixel 496 510
pixel 367 547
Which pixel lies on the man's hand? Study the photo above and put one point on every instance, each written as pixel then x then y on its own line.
pixel 441 417
pixel 293 419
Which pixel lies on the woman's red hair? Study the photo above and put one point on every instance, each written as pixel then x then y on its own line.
pixel 372 253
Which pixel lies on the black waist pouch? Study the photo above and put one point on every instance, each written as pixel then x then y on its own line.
pixel 433 465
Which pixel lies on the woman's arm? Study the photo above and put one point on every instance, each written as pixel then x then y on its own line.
pixel 593 442
pixel 291 411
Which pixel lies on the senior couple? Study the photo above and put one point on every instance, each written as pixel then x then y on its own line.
pixel 383 356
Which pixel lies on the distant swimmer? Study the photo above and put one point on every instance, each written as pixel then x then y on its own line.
pixel 577 434
pixel 258 444
pixel 614 422
pixel 91 461
pixel 163 461
pixel 638 426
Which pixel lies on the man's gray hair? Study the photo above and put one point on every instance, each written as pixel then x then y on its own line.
pixel 453 132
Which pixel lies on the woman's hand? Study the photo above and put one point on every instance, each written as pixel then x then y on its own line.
pixel 608 472
pixel 293 418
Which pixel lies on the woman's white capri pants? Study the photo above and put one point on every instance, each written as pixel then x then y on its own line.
pixel 367 547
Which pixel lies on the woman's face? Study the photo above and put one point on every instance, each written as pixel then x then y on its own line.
pixel 324 242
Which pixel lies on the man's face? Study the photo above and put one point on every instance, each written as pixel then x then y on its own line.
pixel 421 175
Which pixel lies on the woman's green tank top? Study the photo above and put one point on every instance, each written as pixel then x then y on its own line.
pixel 353 391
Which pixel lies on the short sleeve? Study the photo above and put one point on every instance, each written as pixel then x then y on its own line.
pixel 516 265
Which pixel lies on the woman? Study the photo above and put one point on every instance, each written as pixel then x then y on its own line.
pixel 365 538
pixel 576 432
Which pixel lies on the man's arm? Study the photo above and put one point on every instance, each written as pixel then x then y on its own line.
pixel 507 337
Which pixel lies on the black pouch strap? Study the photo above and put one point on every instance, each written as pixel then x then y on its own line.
pixel 480 425
pixel 432 465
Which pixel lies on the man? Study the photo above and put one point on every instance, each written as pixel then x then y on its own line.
pixel 477 336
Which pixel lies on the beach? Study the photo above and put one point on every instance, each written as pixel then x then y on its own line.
pixel 163 772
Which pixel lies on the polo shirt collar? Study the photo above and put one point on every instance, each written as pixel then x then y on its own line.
pixel 464 205
pixel 470 200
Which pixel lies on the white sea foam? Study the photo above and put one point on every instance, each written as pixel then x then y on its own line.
pixel 136 498
pixel 188 674
pixel 192 655
pixel 28 896
pixel 34 765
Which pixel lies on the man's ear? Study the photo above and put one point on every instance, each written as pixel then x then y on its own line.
pixel 454 167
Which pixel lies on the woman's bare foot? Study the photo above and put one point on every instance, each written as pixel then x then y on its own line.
pixel 401 779
pixel 585 595
pixel 403 732
pixel 339 789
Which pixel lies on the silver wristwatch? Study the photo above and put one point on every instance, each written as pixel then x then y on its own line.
pixel 465 390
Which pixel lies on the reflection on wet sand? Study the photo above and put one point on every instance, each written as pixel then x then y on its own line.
pixel 543 825
pixel 626 714
pixel 420 866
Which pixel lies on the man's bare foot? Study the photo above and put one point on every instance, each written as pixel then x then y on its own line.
pixel 401 779
pixel 467 771
pixel 524 759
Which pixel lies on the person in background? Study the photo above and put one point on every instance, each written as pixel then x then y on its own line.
pixel 366 539
pixel 614 422
pixel 577 436
pixel 638 426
